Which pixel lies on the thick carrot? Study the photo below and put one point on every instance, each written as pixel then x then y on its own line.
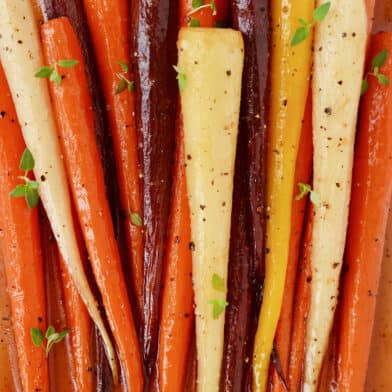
pixel 303 171
pixel 110 39
pixel 372 189
pixel 379 375
pixel 301 309
pixel 75 122
pixel 59 356
pixel 6 380
pixel 78 321
pixel 20 242
pixel 154 32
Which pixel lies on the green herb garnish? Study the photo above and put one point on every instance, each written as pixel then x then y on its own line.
pixel 28 190
pixel 181 78
pixel 52 72
pixel 303 31
pixel 194 22
pixel 136 219
pixel 198 5
pixel 304 189
pixel 219 306
pixel 124 82
pixel 378 61
pixel 52 337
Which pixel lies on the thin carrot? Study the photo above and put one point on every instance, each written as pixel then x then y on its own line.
pixel 6 380
pixel 301 309
pixel 303 171
pixel 177 314
pixel 75 122
pixel 59 356
pixel 371 194
pixel 108 25
pixel 20 242
pixel 379 375
pixel 79 322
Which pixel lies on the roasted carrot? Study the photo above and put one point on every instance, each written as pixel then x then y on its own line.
pixel 154 32
pixel 78 321
pixel 379 376
pixel 303 169
pixel 20 242
pixel 177 314
pixel 372 189
pixel 110 38
pixel 21 57
pixel 6 379
pixel 246 258
pixel 75 12
pixel 59 356
pixel 75 122
pixel 289 91
pixel 301 309
pixel 337 77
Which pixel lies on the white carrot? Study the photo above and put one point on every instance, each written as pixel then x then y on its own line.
pixel 21 57
pixel 209 72
pixel 338 68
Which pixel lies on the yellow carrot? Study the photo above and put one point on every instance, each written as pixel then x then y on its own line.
pixel 289 86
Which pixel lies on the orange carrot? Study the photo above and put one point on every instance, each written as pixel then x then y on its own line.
pixel 108 23
pixel 303 171
pixel 73 110
pixel 20 242
pixel 206 15
pixel 79 322
pixel 6 381
pixel 371 194
pixel 177 295
pixel 301 309
pixel 59 358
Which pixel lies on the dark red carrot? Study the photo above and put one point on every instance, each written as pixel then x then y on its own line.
pixel 73 111
pixel 109 25
pixel 303 171
pixel 154 34
pixel 371 195
pixel 20 243
pixel 246 248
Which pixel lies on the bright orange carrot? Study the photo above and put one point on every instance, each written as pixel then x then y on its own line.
pixel 177 295
pixel 303 171
pixel 20 242
pixel 204 16
pixel 59 356
pixel 301 309
pixel 74 116
pixel 371 194
pixel 79 322
pixel 108 22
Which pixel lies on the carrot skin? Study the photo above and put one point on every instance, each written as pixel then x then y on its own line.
pixel 59 357
pixel 76 14
pixel 154 33
pixel 372 189
pixel 177 315
pixel 246 259
pixel 301 309
pixel 20 242
pixel 76 129
pixel 109 37
pixel 303 171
